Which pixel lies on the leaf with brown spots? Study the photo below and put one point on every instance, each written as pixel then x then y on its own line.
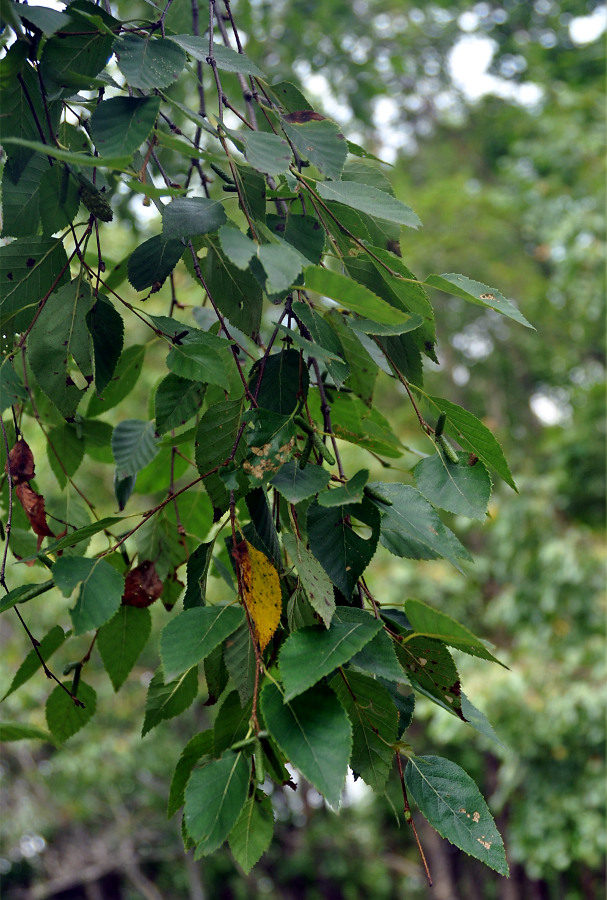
pixel 21 462
pixel 33 504
pixel 261 590
pixel 142 586
pixel 431 670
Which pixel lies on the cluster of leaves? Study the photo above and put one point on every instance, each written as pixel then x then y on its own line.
pixel 292 235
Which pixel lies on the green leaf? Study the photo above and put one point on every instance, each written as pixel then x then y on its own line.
pixel 107 332
pixel 453 805
pixel 239 656
pixel 82 534
pixel 23 593
pixel 14 731
pixel 350 492
pixel 461 489
pixel 237 295
pixel 282 265
pixel 197 572
pixel 202 357
pixel 153 261
pixel 28 268
pixel 431 623
pixel 59 333
pixel 12 389
pixel 317 139
pixel 229 60
pixel 20 197
pixel 378 657
pixel 77 52
pixel 311 653
pixel 375 724
pixel 176 401
pixel 474 436
pixel 324 337
pixel 479 721
pixel 411 528
pixel 194 633
pixel 431 670
pixel 268 153
pixel 315 734
pixel 189 216
pixel 148 63
pixel 215 439
pixel 100 591
pixel 280 384
pixel 350 294
pixel 232 723
pixel 47 20
pixel 313 577
pixel 214 798
pixel 63 717
pixel 124 379
pixel 165 701
pixel 121 641
pixel 252 834
pixel 363 370
pixel 65 452
pixel 343 554
pixel 120 125
pixel 197 747
pixel 296 484
pixel 475 292
pixel 133 446
pixel 237 246
pixel 305 233
pixel 368 200
pixel 86 160
pixel 30 665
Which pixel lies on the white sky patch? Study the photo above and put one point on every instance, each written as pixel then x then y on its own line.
pixel 468 63
pixel 586 29
pixel 548 410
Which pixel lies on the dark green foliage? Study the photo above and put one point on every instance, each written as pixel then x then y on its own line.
pixel 289 254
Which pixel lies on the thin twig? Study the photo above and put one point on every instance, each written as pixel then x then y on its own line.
pixel 409 818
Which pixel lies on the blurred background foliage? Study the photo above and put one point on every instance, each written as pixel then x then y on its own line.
pixel 506 172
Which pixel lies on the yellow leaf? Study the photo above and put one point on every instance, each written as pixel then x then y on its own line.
pixel 261 589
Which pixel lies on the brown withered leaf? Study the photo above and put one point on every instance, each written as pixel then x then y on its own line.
pixel 21 461
pixel 33 504
pixel 142 585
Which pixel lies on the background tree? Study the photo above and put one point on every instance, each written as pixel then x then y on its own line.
pixel 511 596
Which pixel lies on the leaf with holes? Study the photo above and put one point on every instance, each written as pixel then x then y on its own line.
pixel 453 805
pixel 430 669
pixel 342 552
